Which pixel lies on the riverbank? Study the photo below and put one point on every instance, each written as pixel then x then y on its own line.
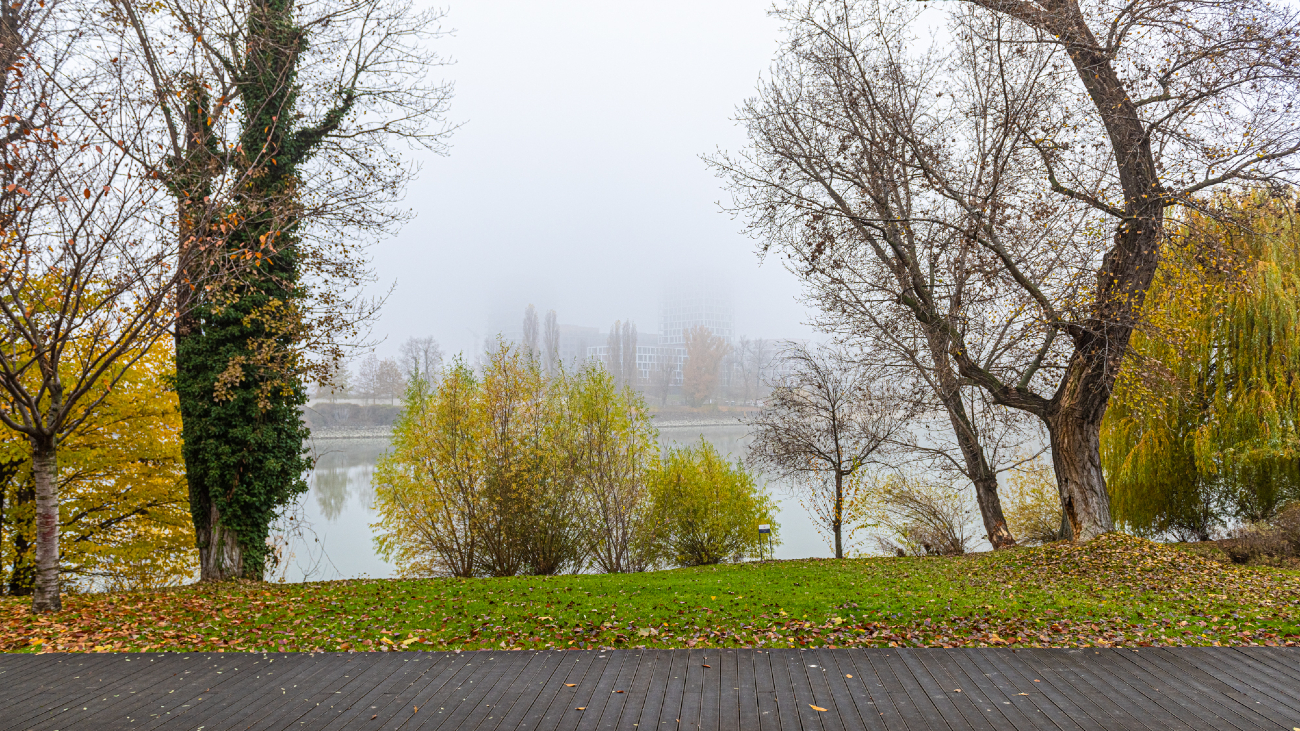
pixel 1117 591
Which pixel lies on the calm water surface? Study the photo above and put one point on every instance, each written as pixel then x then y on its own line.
pixel 330 535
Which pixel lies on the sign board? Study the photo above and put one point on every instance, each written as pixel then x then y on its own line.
pixel 764 528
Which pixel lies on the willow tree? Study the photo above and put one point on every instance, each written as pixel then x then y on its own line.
pixel 1205 423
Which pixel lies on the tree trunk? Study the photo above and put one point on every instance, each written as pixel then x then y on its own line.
pixel 45 475
pixel 968 440
pixel 838 523
pixel 1076 456
pixel 221 558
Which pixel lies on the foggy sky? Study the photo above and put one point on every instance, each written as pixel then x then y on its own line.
pixel 575 182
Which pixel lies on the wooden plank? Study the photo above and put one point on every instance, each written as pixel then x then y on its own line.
pixel 363 673
pixel 671 710
pixel 439 695
pixel 624 710
pixel 1284 660
pixel 49 694
pixel 653 705
pixel 914 715
pixel 819 691
pixel 791 719
pixel 769 715
pixel 108 686
pixel 1227 685
pixel 56 694
pixel 146 707
pixel 1060 668
pixel 116 700
pixel 237 704
pixel 487 700
pixel 1196 693
pixel 1229 659
pixel 437 670
pixel 523 687
pixel 557 697
pixel 51 670
pixel 878 696
pixel 192 678
pixel 1041 697
pixel 1112 669
pixel 462 705
pixel 587 695
pixel 532 687
pixel 688 713
pixel 947 679
pixel 850 695
pixel 727 713
pixel 748 714
pixel 327 689
pixel 630 664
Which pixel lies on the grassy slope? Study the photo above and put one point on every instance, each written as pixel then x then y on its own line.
pixel 1117 590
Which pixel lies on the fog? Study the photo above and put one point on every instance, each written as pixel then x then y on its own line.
pixel 575 181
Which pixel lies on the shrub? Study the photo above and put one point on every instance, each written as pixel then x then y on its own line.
pixel 706 510
pixel 1276 541
pixel 915 516
pixel 1031 503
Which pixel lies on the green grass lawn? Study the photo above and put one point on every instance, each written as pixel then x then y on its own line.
pixel 1115 591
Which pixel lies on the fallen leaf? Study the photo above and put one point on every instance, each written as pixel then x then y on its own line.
pixel 816 708
pixel 570 685
pixel 708 666
pixel 848 676
pixel 582 708
pixel 620 691
pixel 374 717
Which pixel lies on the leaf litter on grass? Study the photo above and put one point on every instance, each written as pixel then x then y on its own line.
pixel 1117 591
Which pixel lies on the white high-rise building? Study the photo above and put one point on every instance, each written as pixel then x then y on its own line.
pixel 690 304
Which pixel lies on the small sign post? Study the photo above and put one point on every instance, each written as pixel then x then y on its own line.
pixel 763 530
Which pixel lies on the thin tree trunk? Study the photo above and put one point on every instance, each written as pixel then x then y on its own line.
pixel 978 469
pixel 45 469
pixel 838 523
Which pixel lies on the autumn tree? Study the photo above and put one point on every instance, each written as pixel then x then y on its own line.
pixel 704 354
pixel 1205 422
pixel 706 510
pixel 87 278
pixel 123 506
pixel 278 128
pixel 610 445
pixel 827 420
pixel 983 125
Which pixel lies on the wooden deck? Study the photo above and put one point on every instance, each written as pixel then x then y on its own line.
pixel 1227 689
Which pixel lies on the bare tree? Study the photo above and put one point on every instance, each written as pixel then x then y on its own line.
pixel 87 276
pixel 830 417
pixel 551 343
pixel 420 359
pixel 621 345
pixel 531 334
pixel 934 164
pixel 389 380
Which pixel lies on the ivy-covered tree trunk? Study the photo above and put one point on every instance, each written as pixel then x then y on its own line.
pixel 237 364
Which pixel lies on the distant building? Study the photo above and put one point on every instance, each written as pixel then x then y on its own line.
pixel 690 305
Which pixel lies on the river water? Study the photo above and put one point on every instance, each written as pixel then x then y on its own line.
pixel 329 535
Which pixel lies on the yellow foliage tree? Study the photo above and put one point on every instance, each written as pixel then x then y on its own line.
pixel 1204 423
pixel 124 505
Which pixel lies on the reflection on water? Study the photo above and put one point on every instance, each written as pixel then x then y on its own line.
pixel 336 540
